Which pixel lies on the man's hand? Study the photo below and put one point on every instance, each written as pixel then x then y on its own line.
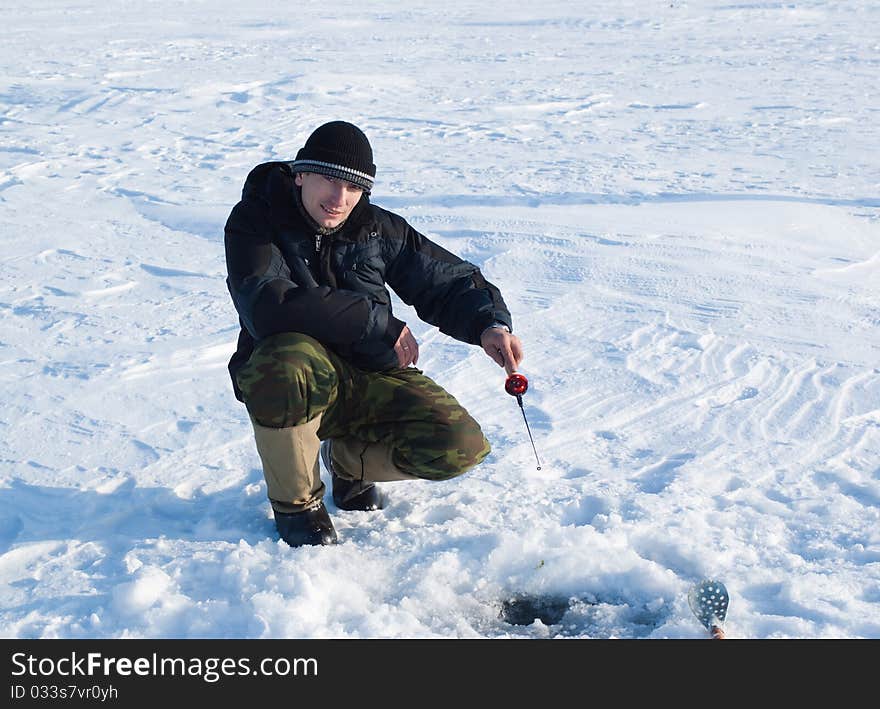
pixel 505 349
pixel 406 348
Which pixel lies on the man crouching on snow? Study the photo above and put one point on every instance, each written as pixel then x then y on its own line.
pixel 321 357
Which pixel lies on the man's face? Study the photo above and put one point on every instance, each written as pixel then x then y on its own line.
pixel 328 200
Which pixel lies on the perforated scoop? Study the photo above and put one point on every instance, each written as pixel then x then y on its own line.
pixel 709 601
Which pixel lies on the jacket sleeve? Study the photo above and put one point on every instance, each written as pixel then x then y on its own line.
pixel 270 299
pixel 445 290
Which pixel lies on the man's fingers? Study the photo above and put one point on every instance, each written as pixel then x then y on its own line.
pixel 516 351
pixel 412 355
pixel 511 354
pixel 494 353
pixel 504 349
pixel 509 362
pixel 407 349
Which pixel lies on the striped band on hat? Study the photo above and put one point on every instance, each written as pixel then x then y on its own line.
pixel 355 177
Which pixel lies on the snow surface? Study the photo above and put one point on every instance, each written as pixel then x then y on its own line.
pixel 680 202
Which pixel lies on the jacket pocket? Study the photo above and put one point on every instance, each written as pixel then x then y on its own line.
pixel 362 268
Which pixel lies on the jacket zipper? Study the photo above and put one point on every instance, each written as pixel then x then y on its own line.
pixel 318 242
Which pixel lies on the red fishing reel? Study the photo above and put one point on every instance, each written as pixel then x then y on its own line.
pixel 516 384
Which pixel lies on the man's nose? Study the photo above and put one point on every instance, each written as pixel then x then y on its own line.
pixel 338 193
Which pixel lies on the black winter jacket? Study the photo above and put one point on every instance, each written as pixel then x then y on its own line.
pixel 283 277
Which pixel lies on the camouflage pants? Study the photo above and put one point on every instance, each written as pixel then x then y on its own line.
pixel 391 425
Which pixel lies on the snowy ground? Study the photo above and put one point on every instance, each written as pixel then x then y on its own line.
pixel 680 202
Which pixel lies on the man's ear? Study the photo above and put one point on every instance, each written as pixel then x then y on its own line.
pixel 298 179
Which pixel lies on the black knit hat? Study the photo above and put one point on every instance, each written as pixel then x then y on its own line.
pixel 338 149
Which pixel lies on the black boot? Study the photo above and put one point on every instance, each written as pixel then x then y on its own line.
pixel 351 494
pixel 309 527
